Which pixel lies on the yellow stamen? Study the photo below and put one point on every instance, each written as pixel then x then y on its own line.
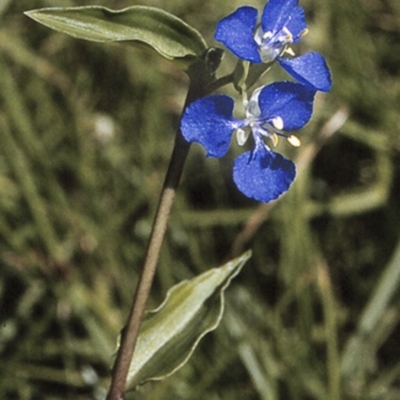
pixel 290 51
pixel 277 123
pixel 289 37
pixel 275 139
pixel 267 35
pixel 304 33
pixel 294 141
pixel 242 136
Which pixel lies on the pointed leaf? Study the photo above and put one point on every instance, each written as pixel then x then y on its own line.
pixel 168 35
pixel 170 333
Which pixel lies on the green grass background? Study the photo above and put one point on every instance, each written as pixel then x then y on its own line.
pixel 86 131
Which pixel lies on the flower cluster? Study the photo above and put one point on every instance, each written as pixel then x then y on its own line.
pixel 272 110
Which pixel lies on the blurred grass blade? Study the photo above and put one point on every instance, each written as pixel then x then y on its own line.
pixel 166 34
pixel 375 310
pixel 170 333
pixel 28 185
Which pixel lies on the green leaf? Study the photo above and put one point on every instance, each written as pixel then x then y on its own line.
pixel 170 333
pixel 168 35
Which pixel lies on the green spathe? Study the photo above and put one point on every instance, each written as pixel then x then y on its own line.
pixel 168 35
pixel 169 334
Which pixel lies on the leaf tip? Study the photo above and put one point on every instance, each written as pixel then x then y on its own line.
pixel 28 13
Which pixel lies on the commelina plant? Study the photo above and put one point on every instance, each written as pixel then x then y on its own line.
pixel 150 345
pixel 282 106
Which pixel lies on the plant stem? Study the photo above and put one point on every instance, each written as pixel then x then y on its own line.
pixel 130 332
pixel 224 80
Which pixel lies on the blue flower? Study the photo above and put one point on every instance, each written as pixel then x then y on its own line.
pixel 282 24
pixel 260 174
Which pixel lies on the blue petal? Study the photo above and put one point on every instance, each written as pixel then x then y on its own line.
pixel 284 13
pixel 296 24
pixel 236 32
pixel 209 121
pixel 293 102
pixel 309 69
pixel 262 174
